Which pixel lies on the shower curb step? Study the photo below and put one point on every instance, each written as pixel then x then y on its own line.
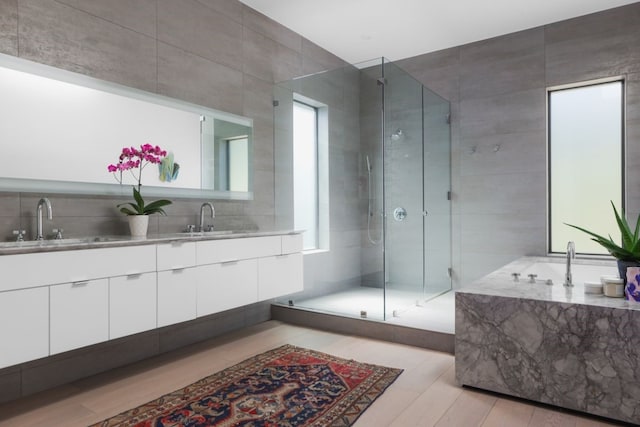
pixel 384 331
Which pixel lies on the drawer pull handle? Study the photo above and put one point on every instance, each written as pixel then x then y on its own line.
pixel 178 269
pixel 80 283
pixel 133 276
pixel 282 256
pixel 229 262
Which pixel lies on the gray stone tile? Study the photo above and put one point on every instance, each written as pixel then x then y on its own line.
pixel 139 15
pixel 56 34
pixel 196 28
pixel 258 100
pixel 9 27
pixel 503 193
pixel 263 147
pixel 439 71
pixel 593 46
pixel 505 64
pixel 503 233
pixel 268 27
pixel 504 153
pixel 510 113
pixel 192 78
pixel 230 8
pixel 320 59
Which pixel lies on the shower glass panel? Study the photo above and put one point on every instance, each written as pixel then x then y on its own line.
pixel 403 190
pixel 388 141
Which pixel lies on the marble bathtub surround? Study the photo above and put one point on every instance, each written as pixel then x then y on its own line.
pixel 550 344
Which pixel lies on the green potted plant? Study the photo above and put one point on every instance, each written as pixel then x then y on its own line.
pixel 628 253
pixel 138 211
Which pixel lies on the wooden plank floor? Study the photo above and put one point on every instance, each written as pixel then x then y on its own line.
pixel 424 395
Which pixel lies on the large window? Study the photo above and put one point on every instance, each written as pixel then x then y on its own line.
pixel 305 172
pixel 585 163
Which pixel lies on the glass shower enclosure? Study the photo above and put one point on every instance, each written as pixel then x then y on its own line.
pixel 400 132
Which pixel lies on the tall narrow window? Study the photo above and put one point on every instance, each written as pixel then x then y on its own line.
pixel 305 172
pixel 585 163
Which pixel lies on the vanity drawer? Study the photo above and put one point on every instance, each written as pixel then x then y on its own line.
pixel 291 243
pixel 227 250
pixel 176 296
pixel 132 304
pixel 50 268
pixel 176 255
pixel 280 275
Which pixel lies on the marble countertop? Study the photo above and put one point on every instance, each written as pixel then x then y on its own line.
pixel 501 283
pixel 30 246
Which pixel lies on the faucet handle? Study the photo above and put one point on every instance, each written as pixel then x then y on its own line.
pixel 532 278
pixel 516 277
pixel 191 228
pixel 208 228
pixel 19 235
pixel 58 233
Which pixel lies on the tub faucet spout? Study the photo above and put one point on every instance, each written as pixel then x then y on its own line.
pixel 571 254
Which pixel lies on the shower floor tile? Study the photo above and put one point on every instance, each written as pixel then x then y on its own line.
pixel 438 314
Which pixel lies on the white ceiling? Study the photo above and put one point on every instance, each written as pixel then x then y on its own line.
pixel 359 30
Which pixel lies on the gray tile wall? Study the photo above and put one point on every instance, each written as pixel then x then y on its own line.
pixel 497 88
pixel 217 53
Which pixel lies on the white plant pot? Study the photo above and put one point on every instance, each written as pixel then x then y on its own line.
pixel 138 225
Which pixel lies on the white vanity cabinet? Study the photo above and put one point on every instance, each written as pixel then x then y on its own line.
pixel 79 314
pixel 132 304
pixel 226 285
pixel 279 275
pixel 24 325
pixel 176 282
pixel 52 302
pixel 282 274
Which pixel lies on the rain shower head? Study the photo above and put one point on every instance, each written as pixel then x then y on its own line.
pixel 397 135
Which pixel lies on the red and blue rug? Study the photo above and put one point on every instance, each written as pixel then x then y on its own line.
pixel 288 386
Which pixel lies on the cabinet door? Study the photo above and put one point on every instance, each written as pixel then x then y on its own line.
pixel 176 296
pixel 226 286
pixel 132 304
pixel 79 314
pixel 24 325
pixel 279 275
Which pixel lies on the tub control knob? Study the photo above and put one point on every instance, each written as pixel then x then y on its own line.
pixel 532 278
pixel 516 277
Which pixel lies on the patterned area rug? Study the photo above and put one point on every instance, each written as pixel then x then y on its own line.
pixel 285 387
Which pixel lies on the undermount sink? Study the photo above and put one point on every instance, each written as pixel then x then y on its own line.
pixel 204 233
pixel 41 243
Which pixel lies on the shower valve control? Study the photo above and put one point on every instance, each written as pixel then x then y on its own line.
pixel 399 214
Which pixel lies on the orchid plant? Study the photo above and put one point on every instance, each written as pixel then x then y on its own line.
pixel 131 159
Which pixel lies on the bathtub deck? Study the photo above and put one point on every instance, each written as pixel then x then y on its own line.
pixel 550 344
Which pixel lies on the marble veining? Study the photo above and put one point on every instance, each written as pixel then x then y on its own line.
pixel 533 341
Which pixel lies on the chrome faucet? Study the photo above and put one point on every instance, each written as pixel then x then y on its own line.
pixel 202 209
pixel 571 254
pixel 42 202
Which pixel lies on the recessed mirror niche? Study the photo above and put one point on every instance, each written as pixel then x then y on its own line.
pixel 60 130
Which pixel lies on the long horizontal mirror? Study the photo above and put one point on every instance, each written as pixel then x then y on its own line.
pixel 60 130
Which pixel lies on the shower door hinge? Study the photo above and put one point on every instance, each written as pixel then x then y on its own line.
pixel 382 81
pixel 449 118
pixel 449 195
pixel 276 102
pixel 450 272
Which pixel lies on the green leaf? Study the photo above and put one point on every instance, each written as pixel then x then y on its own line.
pixel 156 207
pixel 138 198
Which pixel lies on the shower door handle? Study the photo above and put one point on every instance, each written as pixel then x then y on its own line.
pixel 425 213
